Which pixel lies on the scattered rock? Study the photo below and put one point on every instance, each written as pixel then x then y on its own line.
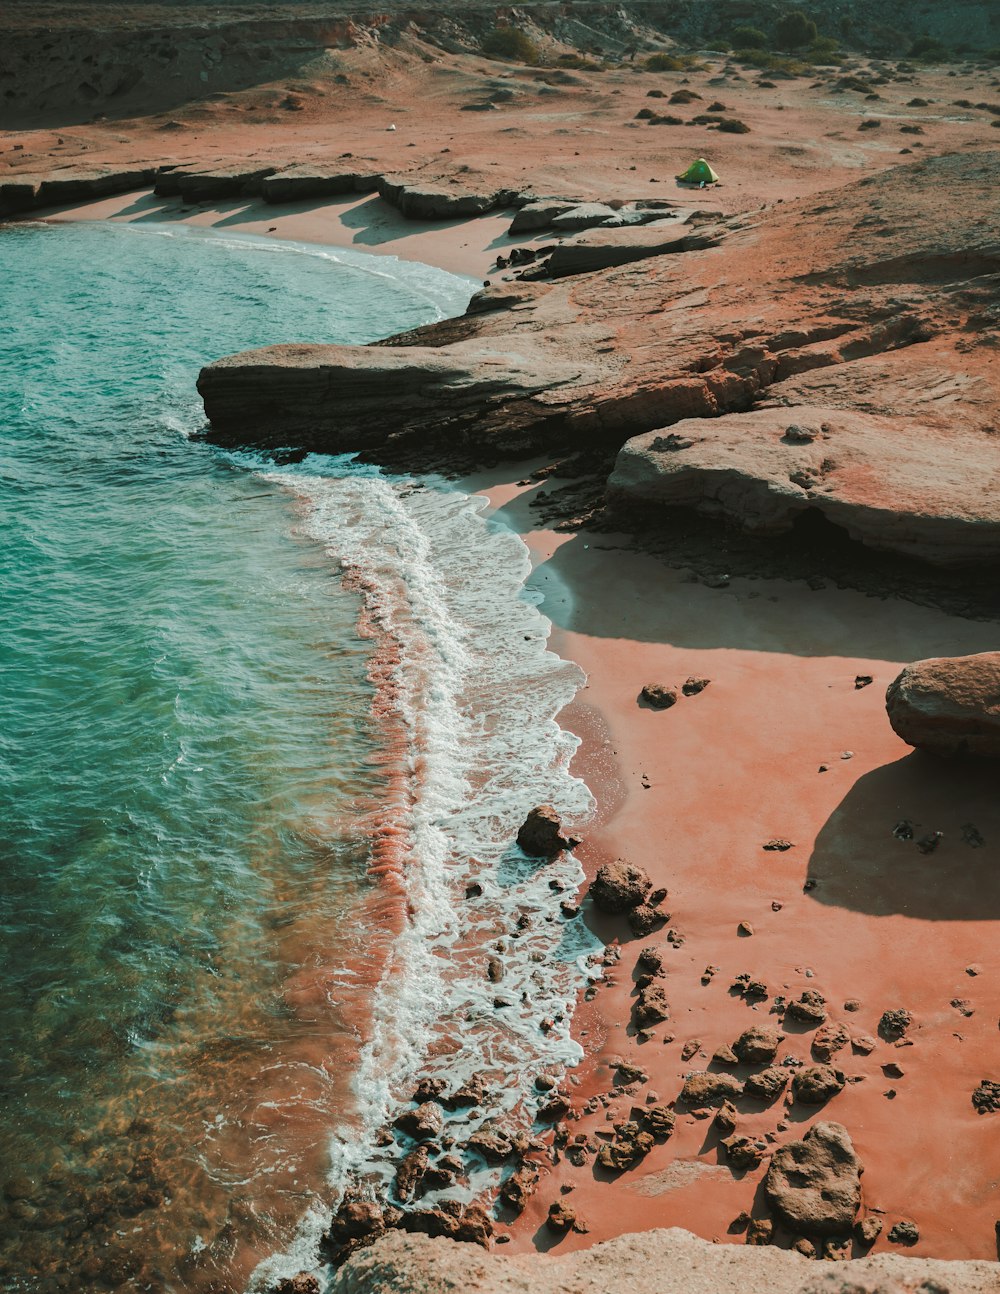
pixel 778 845
pixel 894 1024
pixel 743 1152
pixel 495 1147
pixel 949 705
pixel 726 1118
pixel 809 1009
pixel 760 1231
pixel 692 686
pixel 651 1006
pixel 805 1247
pixel 904 1233
pixel 659 1121
pixel 867 1231
pixel 828 1040
pixel 862 680
pixel 561 1218
pixel 724 1055
pixel 422 1124
pixel 659 696
pixel 541 835
pixel 903 830
pixel 927 844
pixel 690 1048
pixel 620 886
pixel 986 1097
pixel 519 1187
pixel 972 837
pixel 768 1085
pixel 744 929
pixel 410 1174
pixel 757 1045
pixel 300 1283
pixel 864 1044
pixel 814 1185
pixel 816 1084
pixel 645 918
pixel 704 1089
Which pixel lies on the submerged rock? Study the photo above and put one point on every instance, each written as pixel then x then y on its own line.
pixel 814 1185
pixel 949 705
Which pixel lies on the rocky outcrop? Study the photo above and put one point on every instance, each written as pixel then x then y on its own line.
pixel 656 1262
pixel 435 201
pixel 778 378
pixel 297 183
pixel 768 467
pixel 814 1185
pixel 949 705
pixel 71 185
pixel 600 249
pixel 211 183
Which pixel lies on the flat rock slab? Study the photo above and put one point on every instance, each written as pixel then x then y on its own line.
pixel 299 182
pixel 71 185
pixel 949 705
pixel 432 201
pixel 903 487
pixel 610 245
pixel 653 1262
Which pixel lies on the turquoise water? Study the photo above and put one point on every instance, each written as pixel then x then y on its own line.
pixel 186 761
pixel 260 724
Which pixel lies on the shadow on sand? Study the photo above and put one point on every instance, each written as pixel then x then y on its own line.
pixel 859 864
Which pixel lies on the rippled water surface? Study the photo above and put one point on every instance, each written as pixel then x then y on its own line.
pixel 187 766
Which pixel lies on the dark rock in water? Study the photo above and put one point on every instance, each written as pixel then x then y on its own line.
pixel 423 1123
pixel 410 1174
pixel 814 1185
pixel 428 1089
pixel 702 1088
pixel 894 1024
pixel 768 1085
pixel 519 1187
pixel 757 1045
pixel 809 1009
pixel 816 1084
pixel 495 1147
pixel 659 696
pixel 470 1093
pixel 904 1233
pixel 949 705
pixel 986 1097
pixel 620 886
pixel 541 835
pixel 301 1283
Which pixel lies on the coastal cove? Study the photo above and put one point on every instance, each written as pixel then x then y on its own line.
pixel 501 583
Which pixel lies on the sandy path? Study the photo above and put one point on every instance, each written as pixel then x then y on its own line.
pixel 728 770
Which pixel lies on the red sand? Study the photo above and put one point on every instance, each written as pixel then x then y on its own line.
pixel 729 769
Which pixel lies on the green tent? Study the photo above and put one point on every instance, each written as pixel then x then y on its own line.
pixel 699 172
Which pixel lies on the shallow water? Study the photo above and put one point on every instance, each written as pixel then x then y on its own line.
pixel 254 723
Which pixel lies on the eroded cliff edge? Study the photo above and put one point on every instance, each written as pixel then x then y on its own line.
pixel 837 356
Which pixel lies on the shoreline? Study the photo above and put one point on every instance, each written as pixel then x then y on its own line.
pixel 467 247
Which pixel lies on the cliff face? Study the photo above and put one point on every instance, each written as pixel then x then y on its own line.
pixel 861 330
pixel 655 1262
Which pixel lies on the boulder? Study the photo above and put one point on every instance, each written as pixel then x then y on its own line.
pixel 541 835
pixel 659 696
pixel 618 242
pixel 620 886
pixel 949 705
pixel 828 1040
pixel 422 1123
pixel 651 1006
pixel 433 201
pixel 300 1283
pixel 814 1185
pixel 809 1009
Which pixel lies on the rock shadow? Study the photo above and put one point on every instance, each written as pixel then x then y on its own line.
pixel 858 863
